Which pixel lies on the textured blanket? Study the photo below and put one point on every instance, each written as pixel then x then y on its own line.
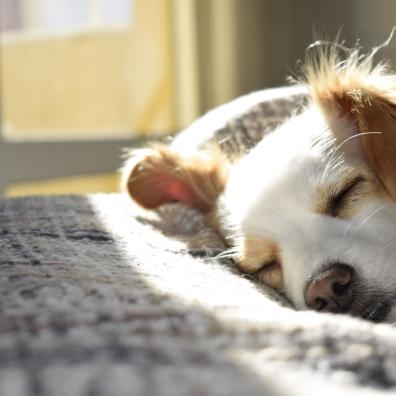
pixel 99 297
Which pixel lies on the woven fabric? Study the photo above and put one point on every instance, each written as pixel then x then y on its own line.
pixel 239 125
pixel 98 297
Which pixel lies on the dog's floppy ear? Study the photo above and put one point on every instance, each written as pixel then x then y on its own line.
pixel 358 98
pixel 160 174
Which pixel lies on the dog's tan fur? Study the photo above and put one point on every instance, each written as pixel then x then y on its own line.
pixel 364 190
pixel 365 94
pixel 260 258
pixel 361 92
pixel 357 101
pixel 160 174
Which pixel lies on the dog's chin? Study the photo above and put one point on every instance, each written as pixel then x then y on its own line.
pixel 377 307
pixel 377 312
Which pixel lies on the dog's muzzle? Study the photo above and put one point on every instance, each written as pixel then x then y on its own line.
pixel 331 290
pixel 336 288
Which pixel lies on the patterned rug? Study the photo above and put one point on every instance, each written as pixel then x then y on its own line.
pixel 101 298
pixel 98 297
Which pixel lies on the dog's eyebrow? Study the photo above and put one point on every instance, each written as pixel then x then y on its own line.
pixel 339 199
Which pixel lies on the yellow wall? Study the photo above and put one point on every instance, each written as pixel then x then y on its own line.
pixel 92 83
pixel 115 82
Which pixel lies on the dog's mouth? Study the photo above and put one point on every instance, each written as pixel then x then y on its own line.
pixel 371 301
pixel 376 312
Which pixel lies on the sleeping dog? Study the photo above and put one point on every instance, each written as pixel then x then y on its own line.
pixel 310 210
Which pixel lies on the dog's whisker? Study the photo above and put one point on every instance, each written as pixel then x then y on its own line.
pixel 229 253
pixel 383 248
pixel 340 146
pixel 249 277
pixel 362 223
pixel 368 217
pixel 347 230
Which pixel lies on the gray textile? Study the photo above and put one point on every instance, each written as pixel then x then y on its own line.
pixel 99 297
pixel 238 125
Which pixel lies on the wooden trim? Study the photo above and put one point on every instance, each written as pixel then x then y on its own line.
pixel 28 161
pixel 185 61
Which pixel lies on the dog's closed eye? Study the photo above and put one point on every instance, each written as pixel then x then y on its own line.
pixel 341 201
pixel 270 274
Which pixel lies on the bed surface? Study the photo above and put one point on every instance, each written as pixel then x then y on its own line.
pixel 98 297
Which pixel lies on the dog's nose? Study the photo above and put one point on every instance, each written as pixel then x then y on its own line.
pixel 331 289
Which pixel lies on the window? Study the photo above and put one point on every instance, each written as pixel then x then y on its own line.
pixel 63 15
pixel 80 69
pixel 81 79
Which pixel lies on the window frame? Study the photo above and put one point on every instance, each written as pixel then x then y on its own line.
pixel 29 160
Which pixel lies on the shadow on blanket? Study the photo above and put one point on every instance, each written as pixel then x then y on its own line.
pixel 99 297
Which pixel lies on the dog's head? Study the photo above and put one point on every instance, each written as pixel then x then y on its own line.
pixel 311 209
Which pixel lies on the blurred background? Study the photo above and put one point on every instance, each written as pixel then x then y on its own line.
pixel 80 79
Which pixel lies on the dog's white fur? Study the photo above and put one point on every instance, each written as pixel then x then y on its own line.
pixel 277 206
pixel 272 205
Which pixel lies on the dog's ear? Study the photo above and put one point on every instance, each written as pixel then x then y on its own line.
pixel 161 175
pixel 359 104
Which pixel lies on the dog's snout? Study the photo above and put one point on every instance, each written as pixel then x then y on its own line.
pixel 331 289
